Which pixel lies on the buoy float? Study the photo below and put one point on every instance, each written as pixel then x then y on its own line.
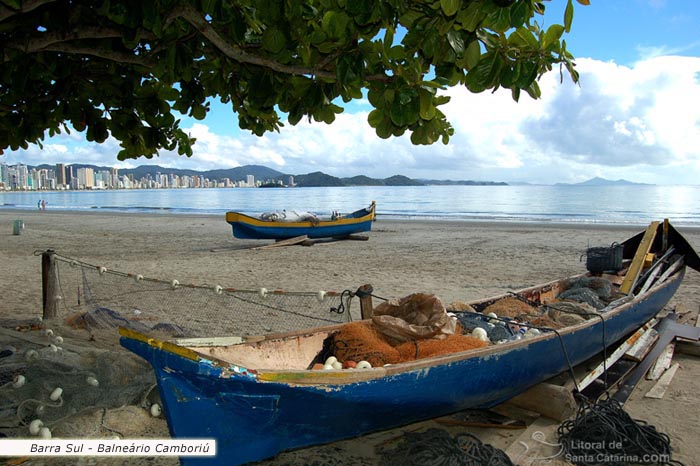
pixel 35 426
pixel 19 381
pixel 363 365
pixel 45 433
pixel 321 296
pixel 56 394
pixel 92 381
pixel 155 410
pixel 31 355
pixel 480 333
pixel 331 360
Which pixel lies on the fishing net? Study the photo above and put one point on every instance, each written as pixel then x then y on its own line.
pixel 94 297
pixel 56 385
pixel 362 341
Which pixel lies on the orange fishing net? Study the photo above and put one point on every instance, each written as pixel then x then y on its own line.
pixel 509 307
pixel 360 341
pixel 418 349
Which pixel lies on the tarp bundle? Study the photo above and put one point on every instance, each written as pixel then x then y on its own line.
pixel 414 317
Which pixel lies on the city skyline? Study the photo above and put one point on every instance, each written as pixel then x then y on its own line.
pixel 21 177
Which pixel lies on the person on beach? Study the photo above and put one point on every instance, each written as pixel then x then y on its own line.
pixel 43 204
pixel 38 204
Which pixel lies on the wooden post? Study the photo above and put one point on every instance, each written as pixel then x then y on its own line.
pixel 49 284
pixel 365 294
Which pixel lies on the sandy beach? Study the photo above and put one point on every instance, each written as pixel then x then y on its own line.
pixel 453 260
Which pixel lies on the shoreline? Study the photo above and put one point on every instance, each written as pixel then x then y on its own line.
pixel 387 218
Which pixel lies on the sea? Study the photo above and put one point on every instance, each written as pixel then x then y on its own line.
pixel 563 204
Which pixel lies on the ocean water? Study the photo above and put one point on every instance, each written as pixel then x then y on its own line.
pixel 624 205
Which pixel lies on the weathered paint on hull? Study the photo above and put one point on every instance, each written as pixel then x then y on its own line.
pixel 254 420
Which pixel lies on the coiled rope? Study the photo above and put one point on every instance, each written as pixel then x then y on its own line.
pixel 436 447
pixel 603 433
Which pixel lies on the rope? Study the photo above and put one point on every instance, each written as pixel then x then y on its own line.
pixel 603 433
pixel 436 447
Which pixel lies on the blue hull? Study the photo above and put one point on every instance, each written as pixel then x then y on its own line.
pixel 280 231
pixel 253 419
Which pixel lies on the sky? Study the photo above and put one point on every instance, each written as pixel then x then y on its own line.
pixel 634 115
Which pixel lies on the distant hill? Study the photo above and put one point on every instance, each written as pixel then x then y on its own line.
pixel 597 181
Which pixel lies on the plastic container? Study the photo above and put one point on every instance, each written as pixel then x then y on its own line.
pixel 604 259
pixel 17 227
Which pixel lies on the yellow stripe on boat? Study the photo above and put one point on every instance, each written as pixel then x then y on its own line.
pixel 160 344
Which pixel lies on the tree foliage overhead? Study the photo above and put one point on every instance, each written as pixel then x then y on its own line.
pixel 129 68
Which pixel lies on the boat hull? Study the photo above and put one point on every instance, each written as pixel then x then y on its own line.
pixel 253 419
pixel 247 227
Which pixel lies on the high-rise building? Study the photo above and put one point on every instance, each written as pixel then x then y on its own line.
pixel 250 180
pixel 61 175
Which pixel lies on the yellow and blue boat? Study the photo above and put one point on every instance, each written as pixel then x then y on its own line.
pixel 247 227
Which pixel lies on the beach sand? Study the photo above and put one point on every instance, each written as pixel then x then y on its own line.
pixel 451 259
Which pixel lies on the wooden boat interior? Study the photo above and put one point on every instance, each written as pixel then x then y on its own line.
pixel 300 350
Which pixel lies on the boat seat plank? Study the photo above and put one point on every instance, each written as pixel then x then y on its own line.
pixel 639 258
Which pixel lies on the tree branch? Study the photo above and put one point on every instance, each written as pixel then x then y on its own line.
pixel 27 6
pixel 192 16
pixel 110 55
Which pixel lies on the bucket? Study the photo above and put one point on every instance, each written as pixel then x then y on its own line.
pixel 17 227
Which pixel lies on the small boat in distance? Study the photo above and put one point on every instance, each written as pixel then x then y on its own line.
pixel 276 392
pixel 285 225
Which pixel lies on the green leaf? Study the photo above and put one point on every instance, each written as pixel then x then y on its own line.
pixel 523 37
pixel 473 54
pixel 427 109
pixel 450 7
pixel 553 34
pixel 375 118
pixel 471 17
pixel 568 15
pixel 456 41
pixel 485 74
pixel 273 40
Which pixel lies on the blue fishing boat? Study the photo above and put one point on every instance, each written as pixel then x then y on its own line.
pixel 284 225
pixel 266 395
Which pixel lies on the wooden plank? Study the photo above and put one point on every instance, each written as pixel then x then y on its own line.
pixel 659 389
pixel 642 346
pixel 616 355
pixel 668 331
pixel 639 257
pixel 691 348
pixel 662 363
pixel 530 446
pixel 284 242
pixel 549 400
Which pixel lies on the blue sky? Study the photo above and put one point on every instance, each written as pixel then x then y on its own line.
pixel 635 115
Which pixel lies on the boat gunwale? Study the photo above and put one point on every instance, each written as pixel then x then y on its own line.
pixel 340 376
pixel 231 218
